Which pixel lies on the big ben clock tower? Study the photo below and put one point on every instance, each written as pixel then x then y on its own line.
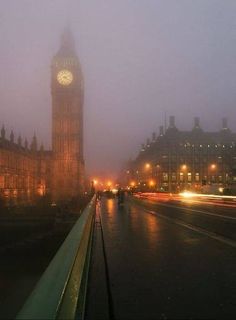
pixel 67 122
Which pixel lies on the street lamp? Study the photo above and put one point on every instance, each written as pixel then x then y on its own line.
pixel 158 168
pixel 147 166
pixel 151 183
pixel 213 168
pixel 184 169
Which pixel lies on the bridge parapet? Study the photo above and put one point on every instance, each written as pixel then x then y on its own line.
pixel 60 292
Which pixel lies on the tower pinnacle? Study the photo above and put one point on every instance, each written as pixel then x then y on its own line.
pixel 67 42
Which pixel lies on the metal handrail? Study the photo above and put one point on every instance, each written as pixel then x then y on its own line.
pixel 59 290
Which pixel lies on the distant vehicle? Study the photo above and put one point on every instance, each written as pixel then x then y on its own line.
pixel 109 194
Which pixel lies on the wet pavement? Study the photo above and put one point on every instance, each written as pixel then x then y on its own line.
pixel 152 268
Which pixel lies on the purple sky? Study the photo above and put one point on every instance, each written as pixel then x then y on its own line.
pixel 140 58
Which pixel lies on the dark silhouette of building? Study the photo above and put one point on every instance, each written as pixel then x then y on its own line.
pixel 27 172
pixel 178 160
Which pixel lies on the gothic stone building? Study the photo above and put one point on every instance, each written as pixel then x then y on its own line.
pixel 27 173
pixel 179 160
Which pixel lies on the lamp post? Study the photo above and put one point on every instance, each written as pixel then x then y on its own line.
pixel 213 170
pixel 158 168
pixel 148 172
pixel 151 184
pixel 184 170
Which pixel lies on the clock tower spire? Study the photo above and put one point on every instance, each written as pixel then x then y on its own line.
pixel 67 121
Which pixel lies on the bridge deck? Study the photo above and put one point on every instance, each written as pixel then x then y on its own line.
pixel 153 268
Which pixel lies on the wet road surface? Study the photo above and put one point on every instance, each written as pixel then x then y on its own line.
pixel 149 267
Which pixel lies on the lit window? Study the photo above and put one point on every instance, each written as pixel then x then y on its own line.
pixel 189 176
pixel 165 176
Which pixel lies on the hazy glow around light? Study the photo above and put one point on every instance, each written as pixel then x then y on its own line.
pixel 151 183
pixel 188 194
pixel 116 65
pixel 147 166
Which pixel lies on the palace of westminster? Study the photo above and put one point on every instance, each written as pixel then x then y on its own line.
pixel 28 172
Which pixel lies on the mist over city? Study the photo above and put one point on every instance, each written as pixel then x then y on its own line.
pixel 141 60
pixel 117 159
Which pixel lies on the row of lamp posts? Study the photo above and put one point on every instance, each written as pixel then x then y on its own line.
pixel 153 182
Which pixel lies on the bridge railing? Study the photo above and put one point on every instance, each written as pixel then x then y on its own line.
pixel 60 293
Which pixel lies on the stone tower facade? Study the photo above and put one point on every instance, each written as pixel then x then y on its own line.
pixel 67 121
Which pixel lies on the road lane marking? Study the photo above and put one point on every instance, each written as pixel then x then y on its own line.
pixel 193 228
pixel 194 210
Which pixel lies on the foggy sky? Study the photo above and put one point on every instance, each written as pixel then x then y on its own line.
pixel 140 59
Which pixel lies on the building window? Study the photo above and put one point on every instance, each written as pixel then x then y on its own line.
pixel 189 176
pixel 197 178
pixel 173 177
pixel 164 158
pixel 181 176
pixel 1 182
pixel 165 176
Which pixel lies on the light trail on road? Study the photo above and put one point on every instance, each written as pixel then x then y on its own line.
pixel 191 198
pixel 217 221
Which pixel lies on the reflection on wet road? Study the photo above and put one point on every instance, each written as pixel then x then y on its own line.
pixel 158 269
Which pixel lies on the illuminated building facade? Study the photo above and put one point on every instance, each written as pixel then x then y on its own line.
pixel 27 173
pixel 178 160
pixel 67 91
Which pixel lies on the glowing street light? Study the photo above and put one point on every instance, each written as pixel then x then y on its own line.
pixel 147 166
pixel 151 183
pixel 132 184
pixel 213 166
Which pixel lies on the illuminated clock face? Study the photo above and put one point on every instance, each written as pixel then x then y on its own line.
pixel 64 77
